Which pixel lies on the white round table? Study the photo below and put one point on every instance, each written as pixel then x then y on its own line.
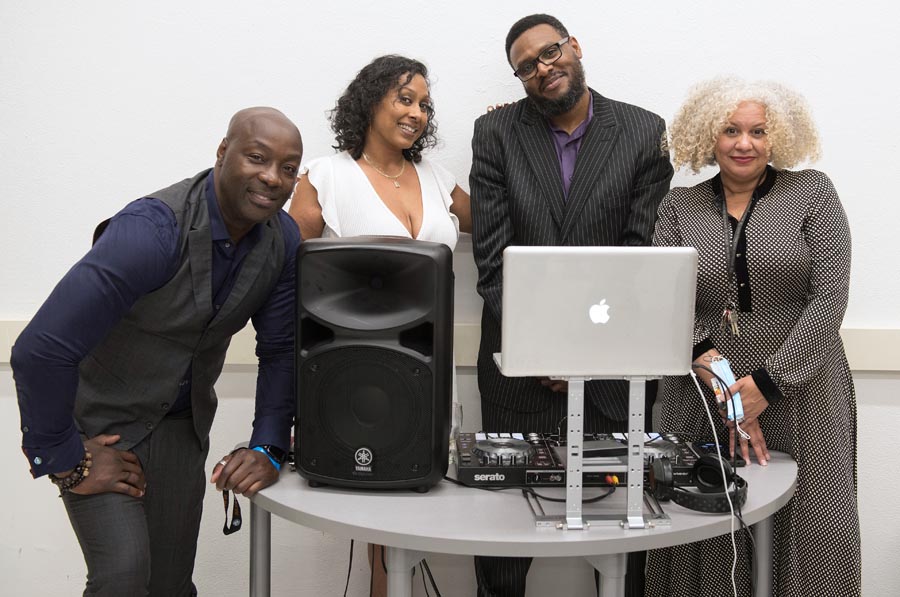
pixel 460 520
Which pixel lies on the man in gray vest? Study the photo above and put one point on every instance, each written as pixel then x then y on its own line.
pixel 115 372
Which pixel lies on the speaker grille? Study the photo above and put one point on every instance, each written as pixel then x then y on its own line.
pixel 369 398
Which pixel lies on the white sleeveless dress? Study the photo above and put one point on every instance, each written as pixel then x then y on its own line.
pixel 351 207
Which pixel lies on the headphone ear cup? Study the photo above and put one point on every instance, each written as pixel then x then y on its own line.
pixel 707 474
pixel 661 478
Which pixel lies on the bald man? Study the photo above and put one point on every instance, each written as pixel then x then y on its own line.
pixel 115 372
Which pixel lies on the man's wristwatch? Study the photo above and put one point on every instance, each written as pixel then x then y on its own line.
pixel 275 454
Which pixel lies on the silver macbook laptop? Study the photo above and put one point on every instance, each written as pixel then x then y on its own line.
pixel 598 312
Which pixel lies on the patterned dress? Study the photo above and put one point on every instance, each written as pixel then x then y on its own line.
pixel 792 273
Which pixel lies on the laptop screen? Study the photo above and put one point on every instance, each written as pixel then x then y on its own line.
pixel 597 312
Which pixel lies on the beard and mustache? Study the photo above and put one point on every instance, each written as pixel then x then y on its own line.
pixel 554 107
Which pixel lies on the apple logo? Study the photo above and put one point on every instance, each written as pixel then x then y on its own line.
pixel 599 313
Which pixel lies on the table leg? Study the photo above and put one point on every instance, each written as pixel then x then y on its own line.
pixel 400 563
pixel 763 536
pixel 612 570
pixel 260 551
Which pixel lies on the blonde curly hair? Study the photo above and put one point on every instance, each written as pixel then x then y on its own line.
pixel 791 136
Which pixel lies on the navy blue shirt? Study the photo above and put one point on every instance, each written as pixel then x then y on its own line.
pixel 137 254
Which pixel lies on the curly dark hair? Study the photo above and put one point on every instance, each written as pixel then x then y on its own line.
pixel 353 112
pixel 526 23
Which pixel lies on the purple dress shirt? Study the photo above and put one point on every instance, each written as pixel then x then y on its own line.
pixel 567 147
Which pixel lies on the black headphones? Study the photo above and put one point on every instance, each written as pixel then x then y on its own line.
pixel 706 476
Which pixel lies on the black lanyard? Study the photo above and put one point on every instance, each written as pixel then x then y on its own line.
pixel 729 320
pixel 236 518
pixel 730 317
pixel 731 241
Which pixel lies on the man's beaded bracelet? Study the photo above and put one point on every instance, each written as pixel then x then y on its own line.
pixel 81 471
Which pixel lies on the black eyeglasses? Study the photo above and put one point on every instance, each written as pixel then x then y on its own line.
pixel 548 56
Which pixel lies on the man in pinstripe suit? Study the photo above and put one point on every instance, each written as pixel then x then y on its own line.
pixel 563 166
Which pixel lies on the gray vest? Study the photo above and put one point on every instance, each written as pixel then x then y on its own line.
pixel 128 382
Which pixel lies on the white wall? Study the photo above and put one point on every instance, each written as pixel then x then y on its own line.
pixel 103 101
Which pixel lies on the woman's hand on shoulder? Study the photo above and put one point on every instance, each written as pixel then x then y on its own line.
pixel 461 208
pixel 305 208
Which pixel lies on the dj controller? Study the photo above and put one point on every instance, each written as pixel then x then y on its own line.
pixel 539 459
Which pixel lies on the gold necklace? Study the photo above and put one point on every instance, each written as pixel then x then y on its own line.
pixel 393 177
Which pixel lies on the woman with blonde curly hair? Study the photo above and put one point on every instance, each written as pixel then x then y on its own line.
pixel 772 288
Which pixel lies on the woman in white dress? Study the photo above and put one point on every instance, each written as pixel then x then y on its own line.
pixel 379 183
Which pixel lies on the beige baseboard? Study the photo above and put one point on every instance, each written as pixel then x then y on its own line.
pixel 867 349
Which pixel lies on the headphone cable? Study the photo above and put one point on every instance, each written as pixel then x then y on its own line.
pixel 725 480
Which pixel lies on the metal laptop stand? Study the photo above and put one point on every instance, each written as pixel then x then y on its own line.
pixel 634 515
pixel 559 339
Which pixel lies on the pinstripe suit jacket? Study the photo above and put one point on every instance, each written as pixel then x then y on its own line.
pixel 620 177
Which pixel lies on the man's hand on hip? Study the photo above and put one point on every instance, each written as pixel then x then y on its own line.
pixel 112 470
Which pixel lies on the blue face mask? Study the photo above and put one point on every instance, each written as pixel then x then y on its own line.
pixel 722 368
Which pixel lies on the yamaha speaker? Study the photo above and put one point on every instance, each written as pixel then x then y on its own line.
pixel 374 362
pixel 713 493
